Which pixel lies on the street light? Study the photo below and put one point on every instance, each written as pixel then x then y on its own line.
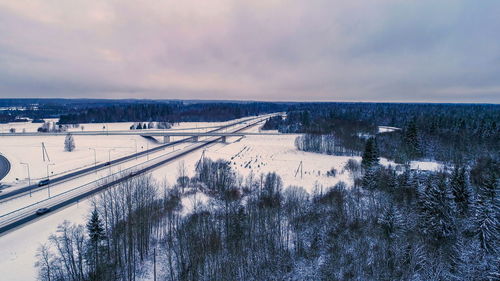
pixel 95 159
pixel 135 148
pixel 29 177
pixel 48 183
pixel 109 154
pixel 109 159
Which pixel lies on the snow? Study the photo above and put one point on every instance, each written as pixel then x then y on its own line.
pixel 260 154
pixel 264 154
pixel 28 149
pixel 386 129
pixel 426 165
pixel 193 201
pixel 416 165
pixel 116 126
pixel 17 257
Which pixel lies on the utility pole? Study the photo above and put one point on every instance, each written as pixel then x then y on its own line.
pixel 48 183
pixel 95 159
pixel 299 168
pixel 45 153
pixel 201 159
pixel 154 264
pixel 29 177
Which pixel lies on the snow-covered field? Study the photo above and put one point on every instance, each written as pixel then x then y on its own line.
pixel 29 149
pixel 263 154
pixel 260 154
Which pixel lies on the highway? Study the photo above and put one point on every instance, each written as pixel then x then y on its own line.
pixel 181 132
pixel 27 213
pixel 4 166
pixel 155 133
pixel 24 190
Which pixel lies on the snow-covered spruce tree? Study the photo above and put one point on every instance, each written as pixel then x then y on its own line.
pixel 485 177
pixel 96 233
pixel 69 143
pixel 461 190
pixel 487 214
pixel 437 223
pixel 437 210
pixel 370 155
pixel 411 141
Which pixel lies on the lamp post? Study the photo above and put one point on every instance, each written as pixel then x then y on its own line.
pixel 109 154
pixel 29 177
pixel 109 159
pixel 95 158
pixel 48 184
pixel 135 148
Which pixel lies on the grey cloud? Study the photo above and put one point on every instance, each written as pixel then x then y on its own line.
pixel 384 50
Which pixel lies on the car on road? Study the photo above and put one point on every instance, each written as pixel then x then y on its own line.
pixel 43 182
pixel 42 211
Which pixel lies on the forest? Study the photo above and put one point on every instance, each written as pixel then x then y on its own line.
pixel 452 133
pixel 171 112
pixel 391 225
pixel 75 111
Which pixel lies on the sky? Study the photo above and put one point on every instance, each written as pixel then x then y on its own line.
pixel 275 50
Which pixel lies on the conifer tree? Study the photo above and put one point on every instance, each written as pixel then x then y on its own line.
pixel 69 143
pixel 96 235
pixel 487 214
pixel 370 155
pixel 437 210
pixel 411 141
pixel 461 191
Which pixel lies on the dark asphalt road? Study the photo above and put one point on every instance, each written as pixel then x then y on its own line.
pixel 4 166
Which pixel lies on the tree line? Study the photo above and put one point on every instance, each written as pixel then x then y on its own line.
pixel 443 132
pixel 392 224
pixel 167 112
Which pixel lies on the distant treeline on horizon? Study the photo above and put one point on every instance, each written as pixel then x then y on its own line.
pixel 445 132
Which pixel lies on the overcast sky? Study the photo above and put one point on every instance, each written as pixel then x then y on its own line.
pixel 299 50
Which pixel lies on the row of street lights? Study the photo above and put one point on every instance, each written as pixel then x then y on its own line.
pixel 95 163
pixel 29 176
pixel 52 164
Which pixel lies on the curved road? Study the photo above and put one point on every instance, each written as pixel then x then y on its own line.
pixel 4 166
